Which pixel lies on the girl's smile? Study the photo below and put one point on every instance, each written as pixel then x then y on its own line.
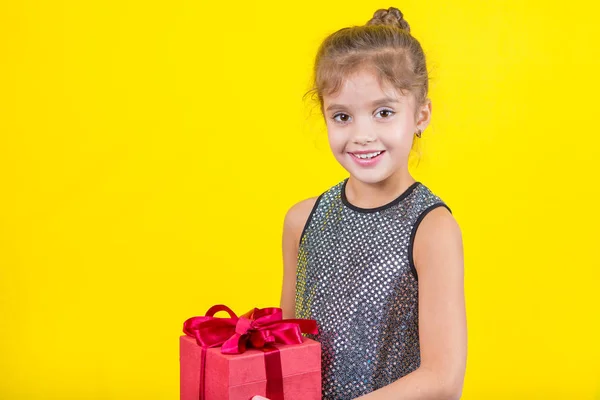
pixel 367 158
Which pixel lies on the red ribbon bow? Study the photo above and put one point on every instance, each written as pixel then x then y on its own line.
pixel 259 328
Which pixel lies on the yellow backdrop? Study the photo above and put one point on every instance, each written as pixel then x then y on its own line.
pixel 149 151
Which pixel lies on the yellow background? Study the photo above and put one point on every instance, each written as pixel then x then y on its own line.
pixel 149 151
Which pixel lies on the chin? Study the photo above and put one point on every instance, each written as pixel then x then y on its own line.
pixel 369 176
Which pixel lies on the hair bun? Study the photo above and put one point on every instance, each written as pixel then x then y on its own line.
pixel 392 16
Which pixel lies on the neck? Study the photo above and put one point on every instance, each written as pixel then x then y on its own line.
pixel 372 195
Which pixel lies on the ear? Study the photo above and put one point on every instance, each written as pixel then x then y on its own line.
pixel 423 115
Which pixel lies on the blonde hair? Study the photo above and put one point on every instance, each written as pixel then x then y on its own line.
pixel 384 44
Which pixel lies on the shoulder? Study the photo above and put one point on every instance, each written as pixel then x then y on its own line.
pixel 439 222
pixel 438 237
pixel 299 212
pixel 297 216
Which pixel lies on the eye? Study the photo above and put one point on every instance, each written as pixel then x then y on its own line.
pixel 344 117
pixel 386 113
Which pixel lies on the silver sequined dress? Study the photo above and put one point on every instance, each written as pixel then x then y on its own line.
pixel 356 278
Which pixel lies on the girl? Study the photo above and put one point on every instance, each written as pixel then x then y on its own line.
pixel 377 259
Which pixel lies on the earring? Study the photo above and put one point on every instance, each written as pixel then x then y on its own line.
pixel 418 133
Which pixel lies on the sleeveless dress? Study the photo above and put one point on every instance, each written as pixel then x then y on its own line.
pixel 355 276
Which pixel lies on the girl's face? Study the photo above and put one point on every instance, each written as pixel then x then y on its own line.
pixel 371 128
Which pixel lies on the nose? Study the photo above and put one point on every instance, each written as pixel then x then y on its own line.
pixel 363 135
pixel 362 140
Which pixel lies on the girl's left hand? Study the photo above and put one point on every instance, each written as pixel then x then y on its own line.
pixel 257 397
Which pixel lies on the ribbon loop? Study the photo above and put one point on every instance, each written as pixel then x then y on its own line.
pixel 220 307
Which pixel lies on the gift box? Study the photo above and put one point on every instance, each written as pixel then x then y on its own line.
pixel 258 353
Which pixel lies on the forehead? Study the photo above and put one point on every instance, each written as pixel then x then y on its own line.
pixel 363 87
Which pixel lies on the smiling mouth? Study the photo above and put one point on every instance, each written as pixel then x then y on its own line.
pixel 366 156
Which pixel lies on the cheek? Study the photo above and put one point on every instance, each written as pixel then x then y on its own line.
pixel 403 131
pixel 400 138
pixel 336 138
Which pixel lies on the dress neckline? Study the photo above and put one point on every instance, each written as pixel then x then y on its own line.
pixel 398 199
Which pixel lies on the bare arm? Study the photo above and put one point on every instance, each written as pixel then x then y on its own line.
pixel 438 257
pixel 293 225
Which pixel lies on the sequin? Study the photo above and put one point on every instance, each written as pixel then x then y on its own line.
pixel 356 279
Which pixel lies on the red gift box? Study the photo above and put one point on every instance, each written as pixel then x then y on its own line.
pixel 258 353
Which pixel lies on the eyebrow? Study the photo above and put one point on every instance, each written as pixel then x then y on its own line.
pixel 385 100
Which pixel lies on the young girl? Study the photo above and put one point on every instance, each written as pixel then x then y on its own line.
pixel 377 259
